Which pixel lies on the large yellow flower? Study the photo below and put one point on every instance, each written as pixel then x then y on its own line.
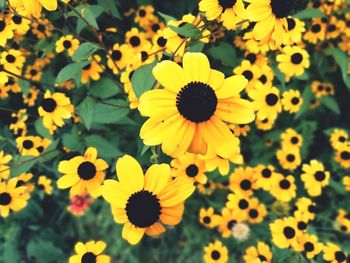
pixel 189 114
pixel 141 202
pixel 34 7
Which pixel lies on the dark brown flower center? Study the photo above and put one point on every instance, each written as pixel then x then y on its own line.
pixel 192 170
pixel 49 104
pixel 86 170
pixel 5 199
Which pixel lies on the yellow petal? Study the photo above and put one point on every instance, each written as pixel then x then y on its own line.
pixel 132 233
pixel 231 86
pixel 130 173
pixel 170 75
pixel 157 177
pixel 196 67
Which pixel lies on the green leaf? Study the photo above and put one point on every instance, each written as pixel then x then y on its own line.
pixel 25 86
pixel 41 129
pixel 2 3
pixel 89 13
pixel 196 46
pixel 86 111
pixel 142 79
pixel 342 59
pixel 105 113
pixel 308 129
pixel 105 148
pixel 166 17
pixel 104 88
pixel 187 30
pixel 307 96
pixel 225 53
pixel 84 51
pixel 73 140
pixel 309 13
pixel 280 76
pixel 70 71
pixel 331 104
pixel 44 251
pixel 110 7
pixel 22 164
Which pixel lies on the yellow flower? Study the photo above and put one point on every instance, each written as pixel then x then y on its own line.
pixel 208 218
pixel 314 177
pixel 68 43
pixel 11 197
pixel 293 61
pixel 44 183
pixel 215 252
pixel 142 202
pixel 291 100
pixel 289 157
pixel 54 109
pixel 82 173
pixel 260 253
pixel 189 113
pixel 93 70
pixel 284 188
pixel 284 232
pixel 90 252
pixel 4 168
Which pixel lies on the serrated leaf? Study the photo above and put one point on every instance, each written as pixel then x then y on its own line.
pixel 225 53
pixel 84 51
pixel 309 13
pixel 187 30
pixel 70 71
pixel 331 104
pixel 86 110
pixel 142 79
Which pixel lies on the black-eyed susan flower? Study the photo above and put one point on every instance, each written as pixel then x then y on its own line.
pixel 191 166
pixel 315 177
pixel 338 137
pixel 11 197
pixel 18 124
pixel 266 101
pixel 176 43
pixel 259 253
pixel 240 130
pixel 242 180
pixel 118 57
pixel 291 138
pixel 21 25
pixel 4 167
pixel 294 31
pixel 83 173
pixel 24 179
pixel 333 253
pixel 342 155
pixel 67 43
pixel 250 71
pixel 208 218
pixel 343 219
pixel 12 60
pixel 154 26
pixel 291 100
pixel 42 28
pixel 293 61
pixel 270 17
pixel 228 219
pixel 284 232
pixel 316 32
pixel 207 188
pixel 309 245
pixel 306 209
pixel 265 124
pixel 142 202
pixel 144 15
pixel 265 176
pixel 215 252
pixel 33 72
pixel 289 157
pixel 54 109
pixel 31 97
pixel 90 252
pixel 188 114
pixel 45 184
pixel 284 188
pixel 93 70
pixel 256 211
pixel 28 145
pixel 135 39
pixel 6 30
pixel 229 12
pixel 239 202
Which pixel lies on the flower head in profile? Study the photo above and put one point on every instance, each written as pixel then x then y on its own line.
pixel 191 111
pixel 143 201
